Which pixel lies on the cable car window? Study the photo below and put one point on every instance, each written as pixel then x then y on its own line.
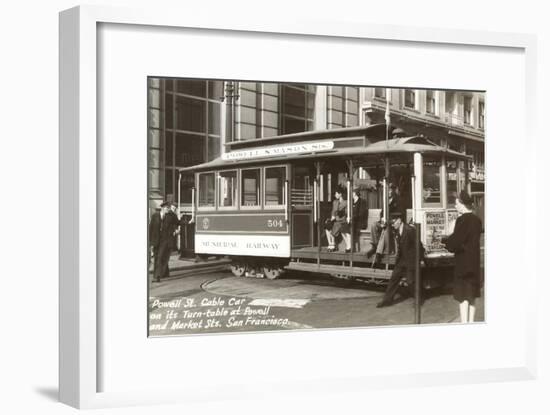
pixel 431 179
pixel 228 189
pixel 207 190
pixel 250 185
pixel 452 182
pixel 302 186
pixel 274 186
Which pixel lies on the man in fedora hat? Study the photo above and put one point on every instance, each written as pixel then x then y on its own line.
pixel 162 229
pixel 405 260
pixel 172 213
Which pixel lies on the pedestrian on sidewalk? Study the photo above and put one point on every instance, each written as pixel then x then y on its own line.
pixel 162 229
pixel 176 222
pixel 465 243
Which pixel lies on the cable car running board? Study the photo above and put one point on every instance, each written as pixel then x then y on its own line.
pixel 362 272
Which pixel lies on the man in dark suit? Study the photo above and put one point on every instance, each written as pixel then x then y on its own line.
pixel 405 261
pixel 378 240
pixel 172 212
pixel 162 229
pixel 360 215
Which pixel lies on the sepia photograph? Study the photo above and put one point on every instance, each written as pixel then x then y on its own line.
pixel 292 206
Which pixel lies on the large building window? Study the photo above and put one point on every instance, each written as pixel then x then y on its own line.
pixel 468 110
pixel 342 106
pixel 192 114
pixel 248 111
pixel 431 107
pixel 380 93
pixel 297 108
pixel 155 136
pixel 481 115
pixel 410 98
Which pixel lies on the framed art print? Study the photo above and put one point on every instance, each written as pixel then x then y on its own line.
pixel 253 197
pixel 266 205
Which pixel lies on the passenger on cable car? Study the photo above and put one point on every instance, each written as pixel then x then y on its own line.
pixel 339 219
pixel 360 216
pixel 378 228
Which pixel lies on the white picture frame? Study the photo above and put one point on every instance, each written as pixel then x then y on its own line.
pixel 80 359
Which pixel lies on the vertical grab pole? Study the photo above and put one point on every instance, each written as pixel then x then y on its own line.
pixel 348 216
pixel 349 219
pixel 413 197
pixel 315 224
pixel 315 201
pixel 387 210
pixel 179 244
pixel 467 182
pixel 286 200
pixel 350 208
pixel 192 205
pixel 179 194
pixel 384 198
pixel 417 280
pixel 318 208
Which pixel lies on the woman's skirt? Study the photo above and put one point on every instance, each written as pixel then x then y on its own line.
pixel 339 227
pixel 466 287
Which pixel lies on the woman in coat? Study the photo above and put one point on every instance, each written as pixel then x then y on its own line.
pixel 465 243
pixel 339 219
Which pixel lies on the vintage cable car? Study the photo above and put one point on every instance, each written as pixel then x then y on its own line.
pixel 264 202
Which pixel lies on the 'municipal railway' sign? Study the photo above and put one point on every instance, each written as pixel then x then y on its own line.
pixel 250 245
pixel 296 148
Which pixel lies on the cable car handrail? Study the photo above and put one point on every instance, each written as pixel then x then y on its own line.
pixel 193 190
pixel 315 197
pixel 286 200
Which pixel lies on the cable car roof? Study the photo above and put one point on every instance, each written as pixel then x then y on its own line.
pixel 392 147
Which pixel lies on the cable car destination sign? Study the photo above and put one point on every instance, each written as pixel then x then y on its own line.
pixel 296 148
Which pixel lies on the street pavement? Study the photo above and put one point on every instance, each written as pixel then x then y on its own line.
pixel 216 301
pixel 181 265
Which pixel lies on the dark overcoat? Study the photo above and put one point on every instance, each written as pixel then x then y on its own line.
pixel 161 231
pixel 406 248
pixel 405 263
pixel 360 214
pixel 465 243
pixel 162 239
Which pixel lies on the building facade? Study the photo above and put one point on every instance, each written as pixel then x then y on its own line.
pixel 190 120
pixel 453 119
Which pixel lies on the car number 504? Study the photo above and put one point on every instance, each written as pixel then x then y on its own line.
pixel 275 223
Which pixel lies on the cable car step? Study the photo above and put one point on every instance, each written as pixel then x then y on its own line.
pixel 362 272
pixel 312 253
